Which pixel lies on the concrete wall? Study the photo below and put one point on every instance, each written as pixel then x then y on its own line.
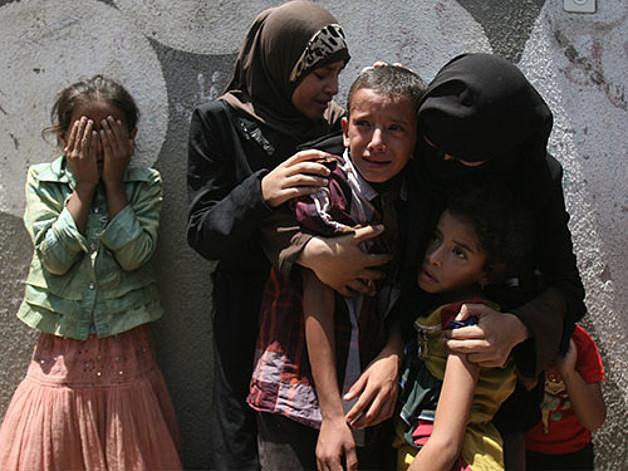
pixel 174 54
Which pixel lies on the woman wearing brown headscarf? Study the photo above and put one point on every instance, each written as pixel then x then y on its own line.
pixel 242 165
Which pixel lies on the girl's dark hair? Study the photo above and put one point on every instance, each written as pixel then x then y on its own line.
pixel 389 80
pixel 96 88
pixel 503 227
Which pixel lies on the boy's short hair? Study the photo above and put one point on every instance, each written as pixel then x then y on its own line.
pixel 390 80
pixel 503 227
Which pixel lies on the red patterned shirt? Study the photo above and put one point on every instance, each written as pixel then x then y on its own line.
pixel 560 432
pixel 282 380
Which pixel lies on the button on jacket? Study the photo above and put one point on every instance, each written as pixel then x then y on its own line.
pixel 98 282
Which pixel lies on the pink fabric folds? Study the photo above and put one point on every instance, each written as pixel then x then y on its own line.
pixel 99 404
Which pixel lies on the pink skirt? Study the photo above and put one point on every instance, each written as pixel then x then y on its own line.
pixel 99 404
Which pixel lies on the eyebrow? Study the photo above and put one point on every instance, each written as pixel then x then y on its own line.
pixel 464 245
pixel 401 121
pixel 331 66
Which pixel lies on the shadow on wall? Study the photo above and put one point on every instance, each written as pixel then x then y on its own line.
pixel 16 339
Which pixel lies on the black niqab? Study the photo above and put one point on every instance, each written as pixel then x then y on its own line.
pixel 479 107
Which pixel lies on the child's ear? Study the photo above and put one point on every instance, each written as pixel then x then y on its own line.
pixel 132 137
pixel 485 279
pixel 61 139
pixel 492 273
pixel 344 122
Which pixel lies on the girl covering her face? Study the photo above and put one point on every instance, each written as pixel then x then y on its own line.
pixel 93 387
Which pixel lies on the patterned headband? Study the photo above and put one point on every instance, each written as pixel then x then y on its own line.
pixel 323 44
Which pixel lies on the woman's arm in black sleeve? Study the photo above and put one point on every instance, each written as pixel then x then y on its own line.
pixel 224 212
pixel 551 315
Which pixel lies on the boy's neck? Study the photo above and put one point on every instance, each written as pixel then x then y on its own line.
pixel 389 186
pixel 468 292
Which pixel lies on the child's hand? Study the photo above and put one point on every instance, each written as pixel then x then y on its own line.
pixel 335 440
pixel 80 151
pixel 296 176
pixel 377 389
pixel 117 147
pixel 566 363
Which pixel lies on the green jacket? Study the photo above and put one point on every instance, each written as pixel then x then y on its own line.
pixel 100 282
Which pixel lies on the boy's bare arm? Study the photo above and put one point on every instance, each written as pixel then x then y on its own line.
pixel 586 398
pixel 335 438
pixel 445 443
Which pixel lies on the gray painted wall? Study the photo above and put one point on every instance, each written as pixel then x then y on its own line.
pixel 174 54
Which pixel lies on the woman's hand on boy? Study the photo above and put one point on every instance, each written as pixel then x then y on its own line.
pixel 566 363
pixel 117 148
pixel 297 176
pixel 490 342
pixel 340 263
pixel 335 440
pixel 80 151
pixel 380 64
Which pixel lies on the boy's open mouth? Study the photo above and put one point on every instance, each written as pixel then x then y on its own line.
pixel 377 162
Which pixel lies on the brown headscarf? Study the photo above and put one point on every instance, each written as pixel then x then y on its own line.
pixel 283 45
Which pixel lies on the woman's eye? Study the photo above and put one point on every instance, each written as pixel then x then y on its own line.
pixel 395 128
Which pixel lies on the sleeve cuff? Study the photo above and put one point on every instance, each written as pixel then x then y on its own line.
pixel 261 202
pixel 288 257
pixel 122 229
pixel 67 234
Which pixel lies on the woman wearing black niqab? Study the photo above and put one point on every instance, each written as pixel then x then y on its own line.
pixel 483 124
